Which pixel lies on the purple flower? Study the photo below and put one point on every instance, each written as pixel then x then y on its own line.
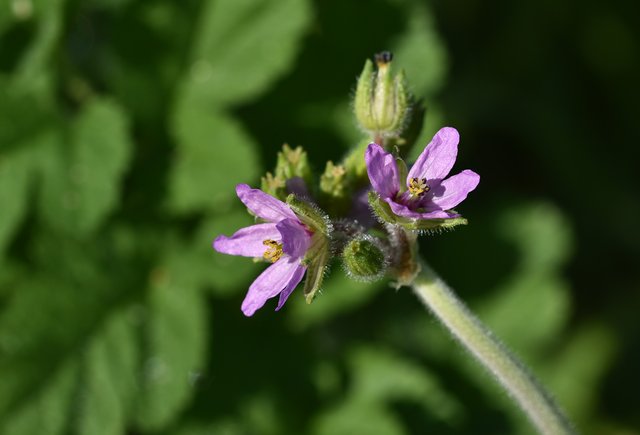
pixel 426 193
pixel 283 240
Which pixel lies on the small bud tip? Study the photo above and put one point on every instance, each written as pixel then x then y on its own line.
pixel 383 58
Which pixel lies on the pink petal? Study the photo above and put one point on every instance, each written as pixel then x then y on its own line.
pixel 295 280
pixel 382 170
pixel 262 205
pixel 247 241
pixel 295 238
pixel 455 189
pixel 438 157
pixel 276 278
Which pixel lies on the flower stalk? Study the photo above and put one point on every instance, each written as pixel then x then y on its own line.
pixel 476 338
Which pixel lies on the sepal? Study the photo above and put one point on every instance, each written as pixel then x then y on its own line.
pixel 316 260
pixel 311 215
pixel 383 211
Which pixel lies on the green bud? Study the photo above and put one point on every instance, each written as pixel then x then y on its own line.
pixel 382 209
pixel 334 180
pixel 381 101
pixel 274 186
pixel 364 259
pixel 291 163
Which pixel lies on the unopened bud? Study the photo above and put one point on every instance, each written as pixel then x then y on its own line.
pixel 364 259
pixel 333 180
pixel 292 163
pixel 381 101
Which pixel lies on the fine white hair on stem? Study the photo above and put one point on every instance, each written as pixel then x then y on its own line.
pixel 478 340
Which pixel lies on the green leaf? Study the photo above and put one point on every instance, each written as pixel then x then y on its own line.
pixel 542 233
pixel 83 353
pixel 82 176
pixel 15 175
pixel 214 153
pixel 34 65
pixel 543 237
pixel 25 112
pixel 421 53
pixel 379 378
pixel 356 418
pixel 48 408
pixel 338 295
pixel 49 362
pixel 108 378
pixel 176 341
pixel 242 46
pixel 580 392
pixel 6 15
pixel 547 299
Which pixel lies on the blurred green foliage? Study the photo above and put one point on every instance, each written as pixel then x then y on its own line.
pixel 125 124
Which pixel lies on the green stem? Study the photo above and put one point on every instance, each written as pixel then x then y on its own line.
pixel 491 353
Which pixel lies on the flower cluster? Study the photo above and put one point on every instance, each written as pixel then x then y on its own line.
pixel 298 238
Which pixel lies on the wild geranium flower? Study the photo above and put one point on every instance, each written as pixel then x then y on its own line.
pixel 426 194
pixel 282 239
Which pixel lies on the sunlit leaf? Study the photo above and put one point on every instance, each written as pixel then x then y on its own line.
pixel 355 418
pixel 48 353
pixel 379 378
pixel 576 371
pixel 213 154
pixel 242 46
pixel 98 356
pixel 420 52
pixel 16 170
pixel 337 295
pixel 176 333
pixel 82 175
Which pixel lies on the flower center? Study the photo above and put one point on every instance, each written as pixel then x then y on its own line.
pixel 418 186
pixel 274 250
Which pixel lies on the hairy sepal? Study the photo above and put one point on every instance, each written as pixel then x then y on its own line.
pixel 383 211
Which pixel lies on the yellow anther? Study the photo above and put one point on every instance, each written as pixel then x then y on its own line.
pixel 274 250
pixel 418 187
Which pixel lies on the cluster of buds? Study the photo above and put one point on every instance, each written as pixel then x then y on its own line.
pixel 302 226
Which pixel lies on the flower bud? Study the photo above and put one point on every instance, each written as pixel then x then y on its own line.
pixel 291 163
pixel 364 259
pixel 333 180
pixel 381 101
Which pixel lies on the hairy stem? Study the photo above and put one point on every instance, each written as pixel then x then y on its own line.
pixel 536 403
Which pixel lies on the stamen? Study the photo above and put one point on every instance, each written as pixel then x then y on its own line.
pixel 274 250
pixel 418 187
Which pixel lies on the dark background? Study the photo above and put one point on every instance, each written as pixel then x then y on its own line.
pixel 125 124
